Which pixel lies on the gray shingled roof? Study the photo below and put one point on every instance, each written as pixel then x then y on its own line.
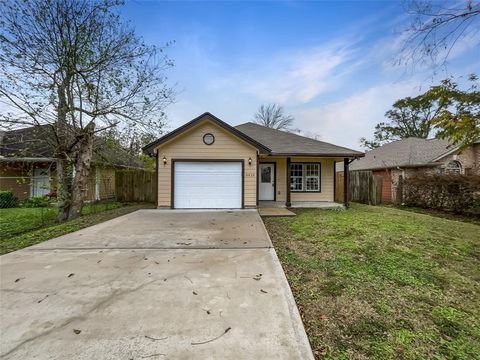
pixel 285 143
pixel 35 142
pixel 408 152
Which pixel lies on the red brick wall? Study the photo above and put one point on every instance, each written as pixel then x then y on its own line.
pixel 386 184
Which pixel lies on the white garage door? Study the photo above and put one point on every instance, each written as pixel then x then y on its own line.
pixel 207 185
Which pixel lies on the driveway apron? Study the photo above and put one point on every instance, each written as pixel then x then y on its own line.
pixel 156 284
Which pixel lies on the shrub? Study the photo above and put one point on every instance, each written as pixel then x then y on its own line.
pixel 457 193
pixel 37 201
pixel 7 200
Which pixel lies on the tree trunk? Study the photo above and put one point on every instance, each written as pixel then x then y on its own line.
pixel 64 174
pixel 82 170
pixel 64 188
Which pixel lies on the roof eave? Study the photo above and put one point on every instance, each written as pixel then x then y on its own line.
pixel 26 159
pixel 405 166
pixel 148 149
pixel 49 159
pixel 351 155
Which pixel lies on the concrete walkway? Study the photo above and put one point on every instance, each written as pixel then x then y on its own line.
pixel 275 211
pixel 152 284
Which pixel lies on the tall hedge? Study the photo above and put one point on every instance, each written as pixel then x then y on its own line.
pixel 457 193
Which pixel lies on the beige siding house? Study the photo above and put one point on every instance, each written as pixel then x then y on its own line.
pixel 207 163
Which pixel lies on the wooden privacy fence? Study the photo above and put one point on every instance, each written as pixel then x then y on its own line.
pixel 364 187
pixel 135 186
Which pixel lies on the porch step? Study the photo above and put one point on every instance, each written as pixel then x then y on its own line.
pixel 275 212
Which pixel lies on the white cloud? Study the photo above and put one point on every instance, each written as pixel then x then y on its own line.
pixel 293 77
pixel 344 122
pixel 315 83
pixel 299 79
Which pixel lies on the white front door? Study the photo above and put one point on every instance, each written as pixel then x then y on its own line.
pixel 207 185
pixel 266 182
pixel 41 182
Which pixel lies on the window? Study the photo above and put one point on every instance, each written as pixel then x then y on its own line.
pixel 267 174
pixel 304 177
pixel 454 167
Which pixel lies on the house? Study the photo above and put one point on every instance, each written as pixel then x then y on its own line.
pixel 207 163
pixel 414 156
pixel 27 165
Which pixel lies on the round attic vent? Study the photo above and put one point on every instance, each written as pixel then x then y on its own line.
pixel 208 139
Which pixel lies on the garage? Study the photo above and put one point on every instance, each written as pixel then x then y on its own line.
pixel 211 184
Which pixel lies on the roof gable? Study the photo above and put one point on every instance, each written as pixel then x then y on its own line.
pixel 204 117
pixel 286 143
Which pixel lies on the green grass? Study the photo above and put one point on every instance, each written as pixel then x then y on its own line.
pixel 470 218
pixel 16 221
pixel 383 283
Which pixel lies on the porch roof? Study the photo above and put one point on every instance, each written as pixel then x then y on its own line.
pixel 284 143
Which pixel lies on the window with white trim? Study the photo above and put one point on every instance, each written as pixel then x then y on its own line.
pixel 305 177
pixel 454 167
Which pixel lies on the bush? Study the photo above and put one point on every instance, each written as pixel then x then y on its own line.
pixel 7 200
pixel 457 193
pixel 36 202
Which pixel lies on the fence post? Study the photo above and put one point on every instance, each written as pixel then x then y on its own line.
pixel 346 177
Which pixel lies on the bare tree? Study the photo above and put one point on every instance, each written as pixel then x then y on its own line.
pixel 436 28
pixel 273 116
pixel 75 68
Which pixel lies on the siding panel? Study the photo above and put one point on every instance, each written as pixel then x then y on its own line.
pixel 327 184
pixel 190 146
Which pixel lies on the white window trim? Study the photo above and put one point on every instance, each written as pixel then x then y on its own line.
pixel 305 177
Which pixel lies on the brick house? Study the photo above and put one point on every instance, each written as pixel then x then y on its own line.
pixel 28 166
pixel 414 156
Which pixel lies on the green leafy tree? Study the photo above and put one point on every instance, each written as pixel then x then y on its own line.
pixel 76 68
pixel 130 142
pixel 409 117
pixel 459 118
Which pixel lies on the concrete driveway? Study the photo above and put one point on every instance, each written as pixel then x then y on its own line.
pixel 154 284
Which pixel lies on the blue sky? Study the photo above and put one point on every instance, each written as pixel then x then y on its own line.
pixel 330 64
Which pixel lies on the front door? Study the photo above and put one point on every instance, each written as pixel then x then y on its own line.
pixel 41 182
pixel 267 182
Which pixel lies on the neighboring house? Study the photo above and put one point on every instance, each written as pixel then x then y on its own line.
pixel 207 163
pixel 27 165
pixel 413 156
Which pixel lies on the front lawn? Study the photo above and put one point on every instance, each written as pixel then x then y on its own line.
pixel 91 216
pixel 383 283
pixel 14 221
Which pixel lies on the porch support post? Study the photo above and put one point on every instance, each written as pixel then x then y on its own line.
pixel 288 202
pixel 346 179
pixel 156 178
pixel 257 177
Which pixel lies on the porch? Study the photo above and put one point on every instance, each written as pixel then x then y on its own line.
pixel 301 204
pixel 299 182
